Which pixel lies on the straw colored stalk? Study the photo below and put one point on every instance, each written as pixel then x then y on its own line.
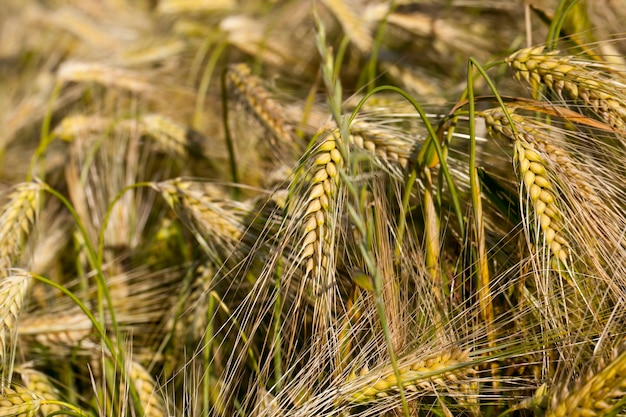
pixel 447 34
pixel 156 50
pixel 597 86
pixel 256 39
pixel 193 6
pixel 417 374
pixel 16 219
pixel 532 168
pixel 12 291
pixel 105 75
pixel 82 26
pixel 600 395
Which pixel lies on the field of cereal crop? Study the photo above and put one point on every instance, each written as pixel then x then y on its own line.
pixel 312 208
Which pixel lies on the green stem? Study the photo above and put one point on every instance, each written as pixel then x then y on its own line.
pixel 118 359
pixel 205 81
pixel 206 354
pixel 45 137
pixel 232 159
pixel 373 62
pixel 431 140
pixel 408 187
pixel 564 7
pixel 103 292
pixel 73 410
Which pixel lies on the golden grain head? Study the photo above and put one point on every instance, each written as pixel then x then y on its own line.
pixel 416 374
pixel 19 401
pixel 40 384
pixel 12 292
pixel 600 395
pixel 320 194
pixel 535 176
pixel 151 400
pixel 269 112
pixel 595 85
pixel 16 219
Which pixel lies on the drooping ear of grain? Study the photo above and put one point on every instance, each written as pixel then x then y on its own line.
pixel 16 219
pixel 321 194
pixel 151 400
pixel 600 395
pixel 19 401
pixel 105 75
pixel 12 292
pixel 326 157
pixel 189 323
pixel 39 384
pixel 388 147
pixel 168 134
pixel 59 332
pixel 417 374
pixel 267 111
pixel 218 220
pixel 352 22
pixel 596 86
pixel 533 173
